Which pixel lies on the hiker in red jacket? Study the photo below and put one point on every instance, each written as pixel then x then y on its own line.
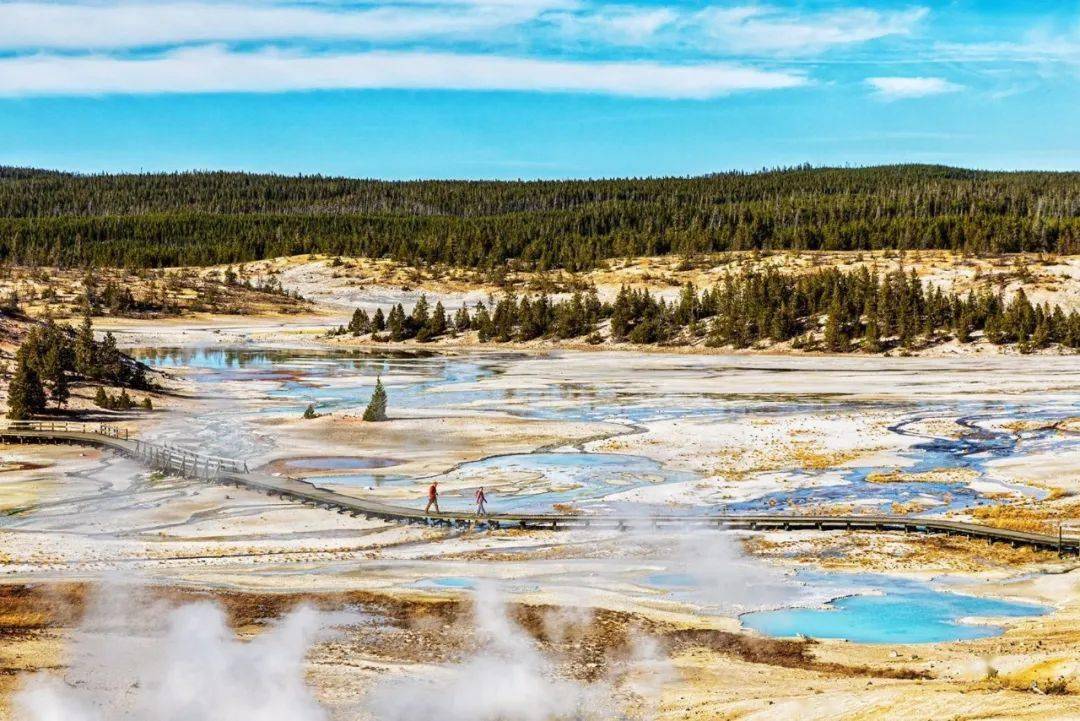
pixel 433 497
pixel 481 499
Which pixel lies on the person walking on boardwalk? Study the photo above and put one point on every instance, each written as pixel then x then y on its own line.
pixel 481 500
pixel 433 497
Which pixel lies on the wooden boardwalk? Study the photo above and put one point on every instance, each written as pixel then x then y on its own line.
pixel 223 470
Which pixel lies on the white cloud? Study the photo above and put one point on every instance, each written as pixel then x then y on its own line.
pixel 30 25
pixel 1043 49
pixel 764 29
pixel 618 24
pixel 89 25
pixel 745 29
pixel 898 88
pixel 210 69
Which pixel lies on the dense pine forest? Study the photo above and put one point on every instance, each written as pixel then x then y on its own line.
pixel 828 310
pixel 209 218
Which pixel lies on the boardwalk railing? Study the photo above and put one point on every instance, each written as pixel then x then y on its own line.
pixel 100 429
pixel 160 456
pixel 225 470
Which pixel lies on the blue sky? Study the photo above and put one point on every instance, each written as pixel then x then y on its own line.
pixel 536 88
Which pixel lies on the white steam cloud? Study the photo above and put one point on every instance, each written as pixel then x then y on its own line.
pixel 135 660
pixel 721 576
pixel 507 678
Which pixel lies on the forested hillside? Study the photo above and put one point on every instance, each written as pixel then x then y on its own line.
pixel 208 218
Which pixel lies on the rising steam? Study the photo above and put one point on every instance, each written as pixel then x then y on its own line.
pixel 507 678
pixel 135 660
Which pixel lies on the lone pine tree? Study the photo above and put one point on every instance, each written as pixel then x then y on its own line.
pixel 376 408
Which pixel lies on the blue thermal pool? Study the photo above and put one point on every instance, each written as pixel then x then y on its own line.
pixel 891 610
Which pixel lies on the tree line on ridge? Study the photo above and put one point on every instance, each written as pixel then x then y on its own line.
pixel 158 220
pixel 829 310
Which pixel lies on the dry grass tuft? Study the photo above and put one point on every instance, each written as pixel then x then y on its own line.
pixel 1016 518
pixel 813 460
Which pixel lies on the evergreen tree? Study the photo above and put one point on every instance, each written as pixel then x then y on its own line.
pixel 437 324
pixel 533 318
pixel 378 321
pixel 420 313
pixel 111 362
pixel 90 286
pixel 359 323
pixel 505 318
pixel 85 348
pixel 138 378
pixel 26 396
pixel 482 322
pixel 1040 337
pixel 376 407
pixel 871 342
pixel 462 321
pixel 621 314
pixel 686 310
pixel 572 318
pixel 395 323
pixel 962 327
pixel 56 375
pixel 835 339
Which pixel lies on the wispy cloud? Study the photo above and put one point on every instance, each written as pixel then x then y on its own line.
pixel 210 69
pixel 898 88
pixel 748 28
pixel 704 48
pixel 132 25
pixel 620 24
pixel 732 29
pixel 1063 48
pixel 753 29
